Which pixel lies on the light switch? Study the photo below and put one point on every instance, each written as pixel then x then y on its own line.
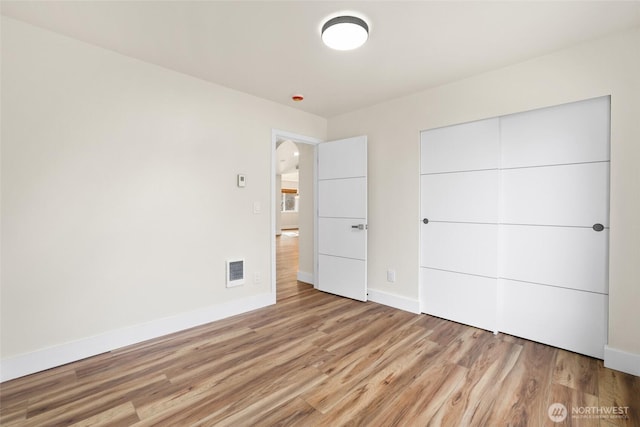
pixel 242 180
pixel 257 208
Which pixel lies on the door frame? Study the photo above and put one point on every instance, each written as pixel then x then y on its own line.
pixel 276 135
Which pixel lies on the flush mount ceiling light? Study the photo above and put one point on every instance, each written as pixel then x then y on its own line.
pixel 345 32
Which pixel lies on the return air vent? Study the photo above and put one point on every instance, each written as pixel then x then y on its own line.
pixel 235 272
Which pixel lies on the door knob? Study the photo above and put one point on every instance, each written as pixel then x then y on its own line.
pixel 598 227
pixel 425 220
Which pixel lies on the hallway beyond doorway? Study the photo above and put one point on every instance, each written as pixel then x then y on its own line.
pixel 287 285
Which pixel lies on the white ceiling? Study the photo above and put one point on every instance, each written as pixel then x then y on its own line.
pixel 287 158
pixel 273 49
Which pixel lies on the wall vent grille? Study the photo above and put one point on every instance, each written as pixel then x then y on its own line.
pixel 235 272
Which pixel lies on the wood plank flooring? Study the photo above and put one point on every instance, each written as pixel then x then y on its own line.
pixel 315 359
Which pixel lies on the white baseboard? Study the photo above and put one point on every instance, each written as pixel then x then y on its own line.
pixel 622 361
pixel 393 300
pixel 40 360
pixel 305 277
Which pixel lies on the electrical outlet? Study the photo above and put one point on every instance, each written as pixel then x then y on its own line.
pixel 391 276
pixel 257 278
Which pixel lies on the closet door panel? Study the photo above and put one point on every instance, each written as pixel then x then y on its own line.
pixel 459 247
pixel 569 195
pixel 568 257
pixel 573 320
pixel 569 133
pixel 460 297
pixel 464 147
pixel 461 196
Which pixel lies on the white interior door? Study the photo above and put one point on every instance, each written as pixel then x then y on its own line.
pixel 342 217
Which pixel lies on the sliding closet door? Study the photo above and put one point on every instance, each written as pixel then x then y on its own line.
pixel 515 228
pixel 554 228
pixel 459 198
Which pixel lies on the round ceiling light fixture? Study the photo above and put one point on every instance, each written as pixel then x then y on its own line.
pixel 345 32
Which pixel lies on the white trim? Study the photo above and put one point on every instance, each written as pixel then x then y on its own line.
pixel 40 360
pixel 622 360
pixel 393 300
pixel 305 277
pixel 316 237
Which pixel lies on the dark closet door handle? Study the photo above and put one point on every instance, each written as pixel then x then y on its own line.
pixel 425 220
pixel 598 227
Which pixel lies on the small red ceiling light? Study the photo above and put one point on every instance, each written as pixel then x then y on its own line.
pixel 297 97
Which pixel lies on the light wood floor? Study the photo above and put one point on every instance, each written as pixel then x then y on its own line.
pixel 315 359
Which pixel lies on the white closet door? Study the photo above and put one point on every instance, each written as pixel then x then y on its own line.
pixel 460 297
pixel 573 320
pixel 516 217
pixel 459 205
pixel 554 220
pixel 573 195
pixel 468 248
pixel 563 134
pixel 568 257
pixel 465 147
pixel 461 196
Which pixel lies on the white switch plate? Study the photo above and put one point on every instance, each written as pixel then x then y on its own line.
pixel 257 208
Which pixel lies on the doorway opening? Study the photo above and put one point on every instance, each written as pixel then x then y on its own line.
pixel 293 204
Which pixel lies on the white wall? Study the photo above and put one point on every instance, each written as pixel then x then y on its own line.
pixel 119 197
pixel 289 220
pixel 306 212
pixel 277 213
pixel 292 185
pixel 602 67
